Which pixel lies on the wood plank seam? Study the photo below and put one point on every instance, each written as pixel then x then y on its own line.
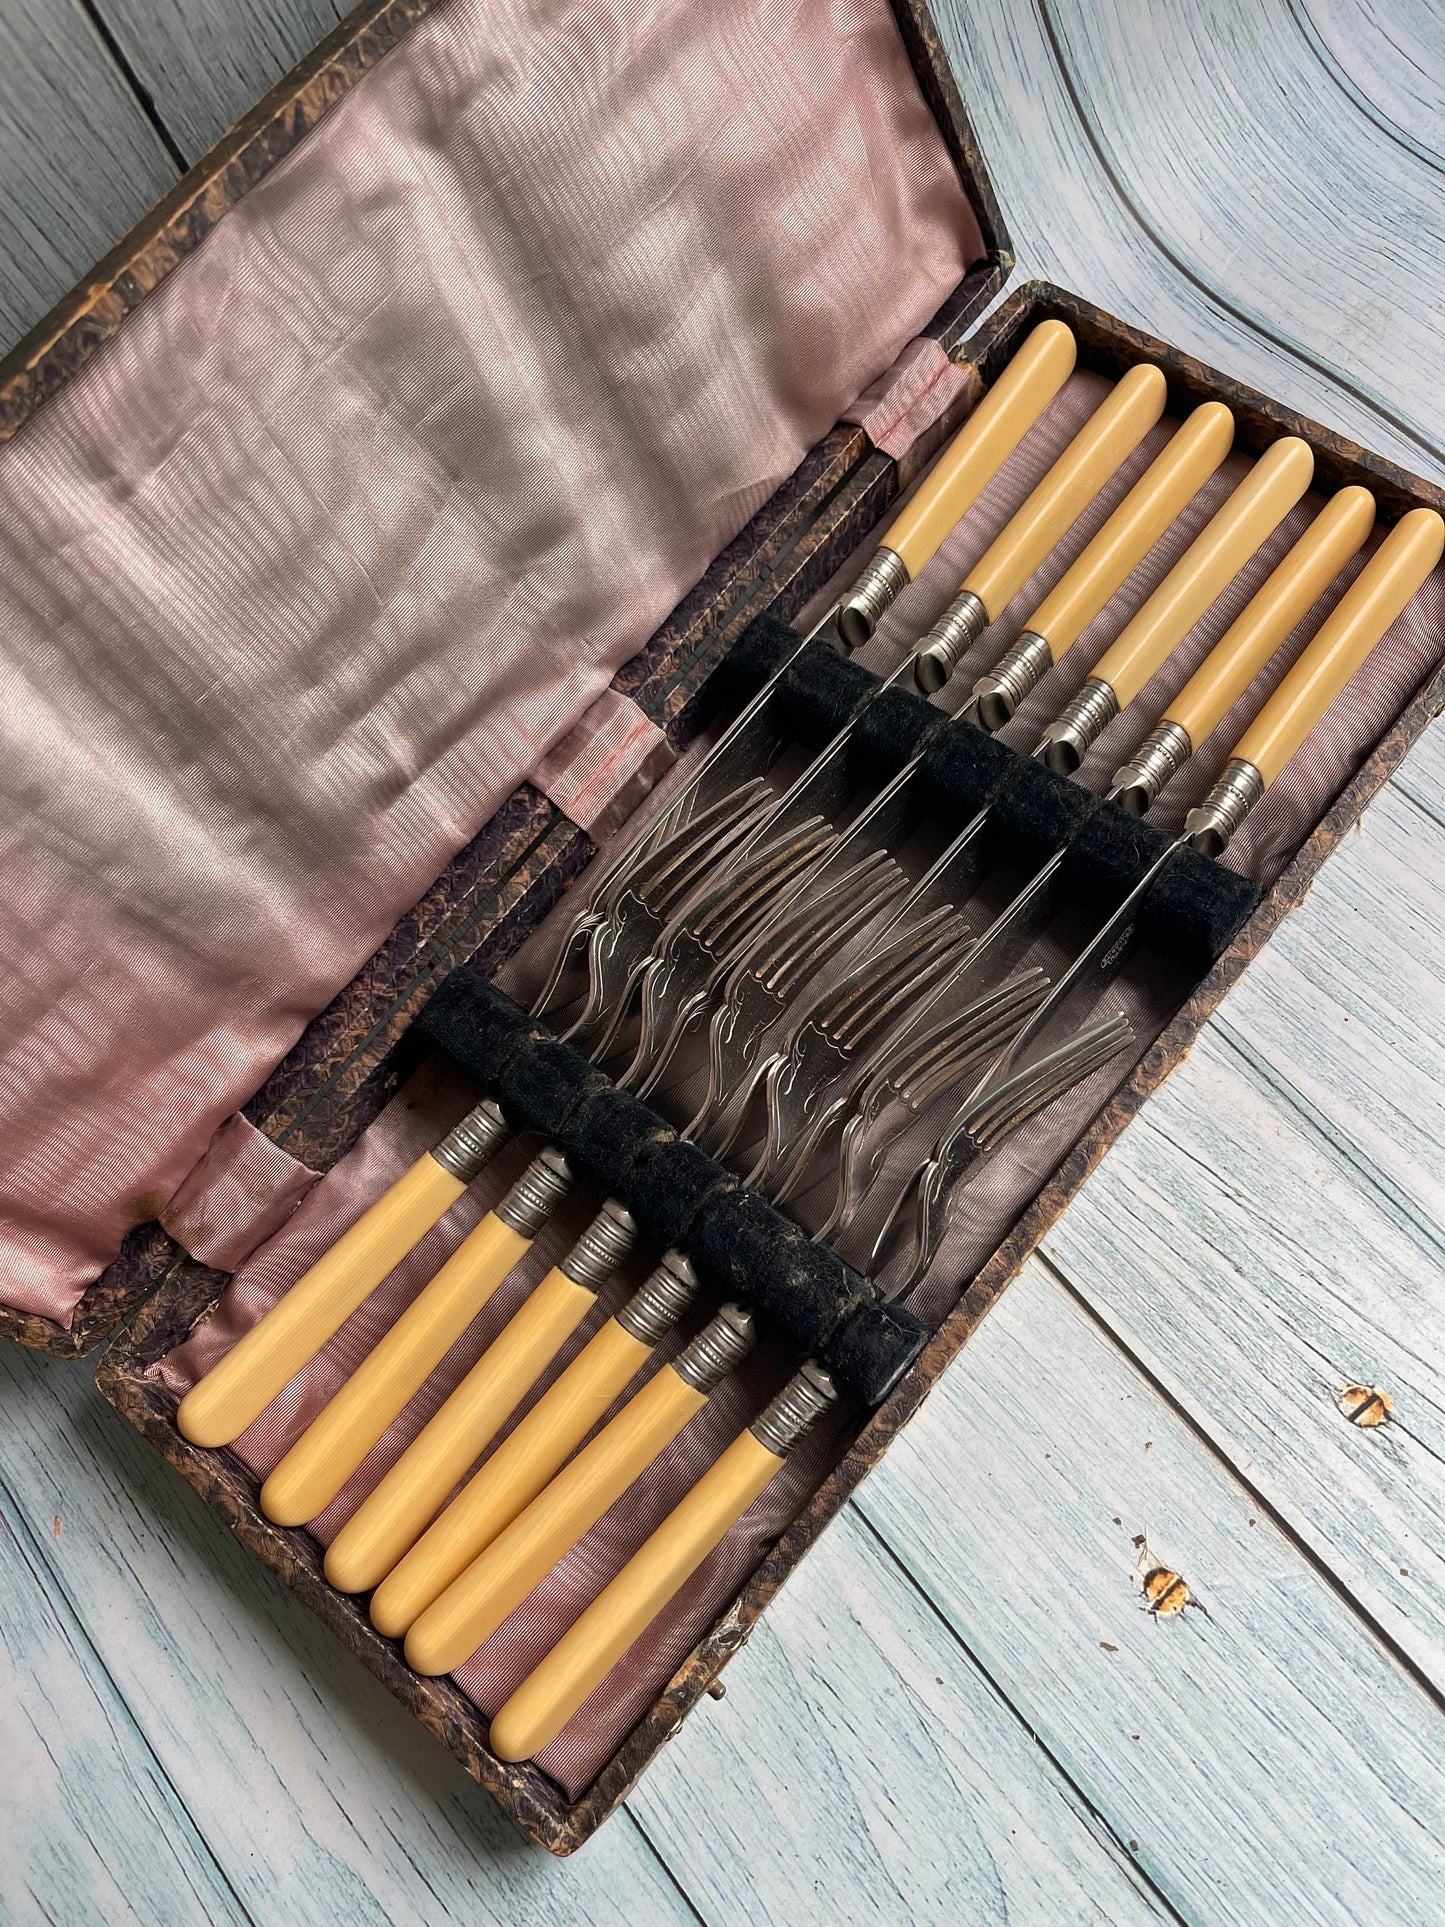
pixel 1392 1202
pixel 127 74
pixel 31 1550
pixel 1218 1451
pixel 1210 295
pixel 1088 1808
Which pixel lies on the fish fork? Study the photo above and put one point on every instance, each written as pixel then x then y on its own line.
pixel 442 1637
pixel 542 1442
pixel 393 1516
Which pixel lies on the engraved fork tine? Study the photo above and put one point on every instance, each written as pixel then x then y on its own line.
pixel 911 1074
pixel 642 860
pixel 684 969
pixel 634 915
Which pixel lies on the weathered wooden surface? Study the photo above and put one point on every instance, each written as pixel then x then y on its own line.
pixel 79 160
pixel 1256 1302
pixel 937 1720
pixel 1259 1752
pixel 204 62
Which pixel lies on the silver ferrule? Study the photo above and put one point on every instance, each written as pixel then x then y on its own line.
pixel 602 1247
pixel 800 1404
pixel 657 1304
pixel 473 1143
pixel 1164 750
pixel 1078 726
pixel 948 642
pixel 1211 827
pixel 1016 675
pixel 537 1193
pixel 875 591
pixel 723 1342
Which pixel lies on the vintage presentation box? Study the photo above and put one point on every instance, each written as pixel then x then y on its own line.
pixel 347 158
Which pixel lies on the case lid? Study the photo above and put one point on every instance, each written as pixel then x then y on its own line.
pixel 361 510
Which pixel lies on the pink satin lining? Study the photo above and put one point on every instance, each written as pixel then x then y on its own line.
pixel 605 765
pixel 917 391
pixel 984 1211
pixel 365 505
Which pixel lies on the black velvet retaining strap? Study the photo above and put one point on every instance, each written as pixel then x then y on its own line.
pixel 1036 814
pixel 1194 906
pixel 741 1246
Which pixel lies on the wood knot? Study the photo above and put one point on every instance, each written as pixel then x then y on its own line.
pixel 1365 1405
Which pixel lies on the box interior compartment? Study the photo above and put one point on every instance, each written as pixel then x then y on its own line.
pixel 583 1762
pixel 363 689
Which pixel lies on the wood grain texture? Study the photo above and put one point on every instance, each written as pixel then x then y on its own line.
pixel 184 1721
pixel 1198 167
pixel 200 1744
pixel 1256 1302
pixel 79 161
pixel 889 1719
pixel 204 62
pixel 1259 1752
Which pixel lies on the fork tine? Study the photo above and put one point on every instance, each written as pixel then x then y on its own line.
pixel 980 1127
pixel 672 869
pixel 915 971
pixel 999 1109
pixel 776 963
pixel 833 918
pixel 681 973
pixel 911 1076
pixel 981 1026
pixel 898 954
pixel 756 881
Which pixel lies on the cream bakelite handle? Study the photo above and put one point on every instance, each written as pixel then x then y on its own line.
pixel 1273 614
pixel 1256 508
pixel 1108 438
pixel 405 1502
pixel 346 1428
pixel 585 1655
pixel 1372 602
pixel 516 1472
pixel 240 1386
pixel 990 435
pixel 1166 487
pixel 471 1607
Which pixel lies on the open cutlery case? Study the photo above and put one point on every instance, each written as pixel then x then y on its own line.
pixel 360 1091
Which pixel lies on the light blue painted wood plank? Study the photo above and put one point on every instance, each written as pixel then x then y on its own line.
pixel 862 1760
pixel 1197 169
pixel 317 1793
pixel 79 162
pixel 1271 1227
pixel 320 1798
pixel 205 62
pixel 94 1830
pixel 1260 1751
pixel 1421 776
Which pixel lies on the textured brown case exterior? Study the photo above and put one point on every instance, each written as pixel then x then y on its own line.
pixel 318 1101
